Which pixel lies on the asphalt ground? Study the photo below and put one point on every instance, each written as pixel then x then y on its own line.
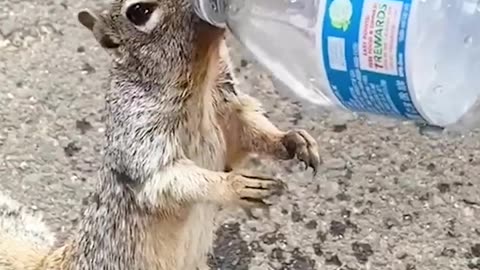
pixel 386 197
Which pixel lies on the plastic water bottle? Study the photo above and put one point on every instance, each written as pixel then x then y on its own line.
pixel 417 60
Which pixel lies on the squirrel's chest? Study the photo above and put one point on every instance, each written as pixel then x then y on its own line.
pixel 203 142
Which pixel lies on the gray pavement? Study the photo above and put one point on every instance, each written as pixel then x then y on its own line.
pixel 385 198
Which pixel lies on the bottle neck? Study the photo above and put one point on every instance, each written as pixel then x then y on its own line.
pixel 211 11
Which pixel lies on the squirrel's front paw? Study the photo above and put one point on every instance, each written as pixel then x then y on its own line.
pixel 250 191
pixel 302 145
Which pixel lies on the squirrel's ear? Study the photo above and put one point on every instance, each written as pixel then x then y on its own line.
pixel 93 22
pixel 87 18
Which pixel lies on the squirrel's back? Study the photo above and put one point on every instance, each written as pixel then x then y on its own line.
pixel 24 237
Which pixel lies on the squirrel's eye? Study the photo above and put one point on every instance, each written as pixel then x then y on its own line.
pixel 140 13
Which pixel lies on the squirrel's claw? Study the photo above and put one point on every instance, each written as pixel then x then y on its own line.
pixel 299 143
pixel 251 191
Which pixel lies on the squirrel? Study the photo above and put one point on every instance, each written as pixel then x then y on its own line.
pixel 177 130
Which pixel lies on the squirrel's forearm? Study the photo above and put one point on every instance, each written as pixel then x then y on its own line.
pixel 249 130
pixel 182 182
pixel 243 118
pixel 258 134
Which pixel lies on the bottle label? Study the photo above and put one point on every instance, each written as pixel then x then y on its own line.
pixel 364 56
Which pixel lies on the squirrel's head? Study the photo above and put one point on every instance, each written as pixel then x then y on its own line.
pixel 159 36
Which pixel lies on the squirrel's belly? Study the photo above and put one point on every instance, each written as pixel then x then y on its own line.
pixel 208 150
pixel 198 236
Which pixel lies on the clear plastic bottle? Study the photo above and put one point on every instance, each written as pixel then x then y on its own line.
pixel 411 59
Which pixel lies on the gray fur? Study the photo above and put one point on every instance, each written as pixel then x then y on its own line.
pixel 146 111
pixel 23 224
pixel 174 123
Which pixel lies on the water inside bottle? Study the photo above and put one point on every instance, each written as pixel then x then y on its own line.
pixel 290 26
pixel 445 58
pixel 443 51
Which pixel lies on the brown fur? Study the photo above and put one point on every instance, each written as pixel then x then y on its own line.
pixel 176 126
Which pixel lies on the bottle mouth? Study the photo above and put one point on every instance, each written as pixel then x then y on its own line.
pixel 211 11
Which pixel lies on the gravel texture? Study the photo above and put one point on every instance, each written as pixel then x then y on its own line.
pixel 386 197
